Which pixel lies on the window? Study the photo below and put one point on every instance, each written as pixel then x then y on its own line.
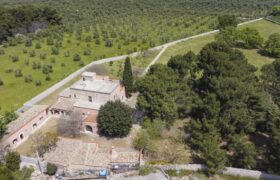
pixel 42 117
pixel 21 136
pixel 89 129
pixel 75 96
pixel 90 99
pixel 14 141
pixel 84 79
pixel 34 125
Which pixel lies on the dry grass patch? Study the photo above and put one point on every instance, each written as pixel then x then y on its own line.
pixel 171 146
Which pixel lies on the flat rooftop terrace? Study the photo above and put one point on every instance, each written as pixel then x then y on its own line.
pixel 100 86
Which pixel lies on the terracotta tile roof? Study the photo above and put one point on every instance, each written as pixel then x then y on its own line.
pixel 88 154
pixel 63 104
pixel 24 118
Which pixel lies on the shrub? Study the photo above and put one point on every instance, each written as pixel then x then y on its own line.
pixel 51 169
pixel 38 83
pixel 18 73
pixel 108 43
pixel 76 57
pixel 272 45
pixel 47 69
pixel 36 65
pixel 14 58
pixel 114 119
pixel 32 53
pixel 20 39
pixel 38 45
pixel 58 44
pixel 48 77
pixel 12 41
pixel 2 51
pixel 145 170
pixel 28 43
pixel 9 70
pixel 24 51
pixel 50 41
pixel 66 54
pixel 12 160
pixel 142 140
pixel 43 56
pixel 5 173
pixel 53 60
pixel 28 79
pixel 97 41
pixel 95 35
pixel 250 38
pixel 88 39
pixel 55 51
pixel 81 63
pixel 87 52
pixel 26 62
pixel 1 82
pixel 154 128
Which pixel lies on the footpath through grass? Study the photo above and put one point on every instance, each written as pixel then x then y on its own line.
pixel 265 28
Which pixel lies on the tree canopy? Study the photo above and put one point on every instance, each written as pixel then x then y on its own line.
pixel 128 77
pixel 13 160
pixel 25 19
pixel 227 21
pixel 272 45
pixel 114 119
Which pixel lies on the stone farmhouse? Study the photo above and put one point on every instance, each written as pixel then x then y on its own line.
pixel 85 96
pixel 26 124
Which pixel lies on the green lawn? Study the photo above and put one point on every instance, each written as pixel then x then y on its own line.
pixel 275 18
pixel 194 45
pixel 265 28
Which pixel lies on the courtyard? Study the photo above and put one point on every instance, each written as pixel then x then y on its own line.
pixel 50 126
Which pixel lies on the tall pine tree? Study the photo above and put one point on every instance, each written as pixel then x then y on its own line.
pixel 128 77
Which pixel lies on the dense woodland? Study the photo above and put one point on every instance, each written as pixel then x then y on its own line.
pixel 25 19
pixel 230 107
pixel 234 113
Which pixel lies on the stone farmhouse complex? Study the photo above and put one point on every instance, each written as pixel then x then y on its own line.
pixel 85 96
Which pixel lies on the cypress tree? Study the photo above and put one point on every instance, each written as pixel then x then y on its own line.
pixel 128 77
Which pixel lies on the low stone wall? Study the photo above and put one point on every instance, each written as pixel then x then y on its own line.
pixel 227 171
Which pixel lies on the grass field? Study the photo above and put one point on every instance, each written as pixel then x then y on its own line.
pixel 16 91
pixel 275 18
pixel 264 27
